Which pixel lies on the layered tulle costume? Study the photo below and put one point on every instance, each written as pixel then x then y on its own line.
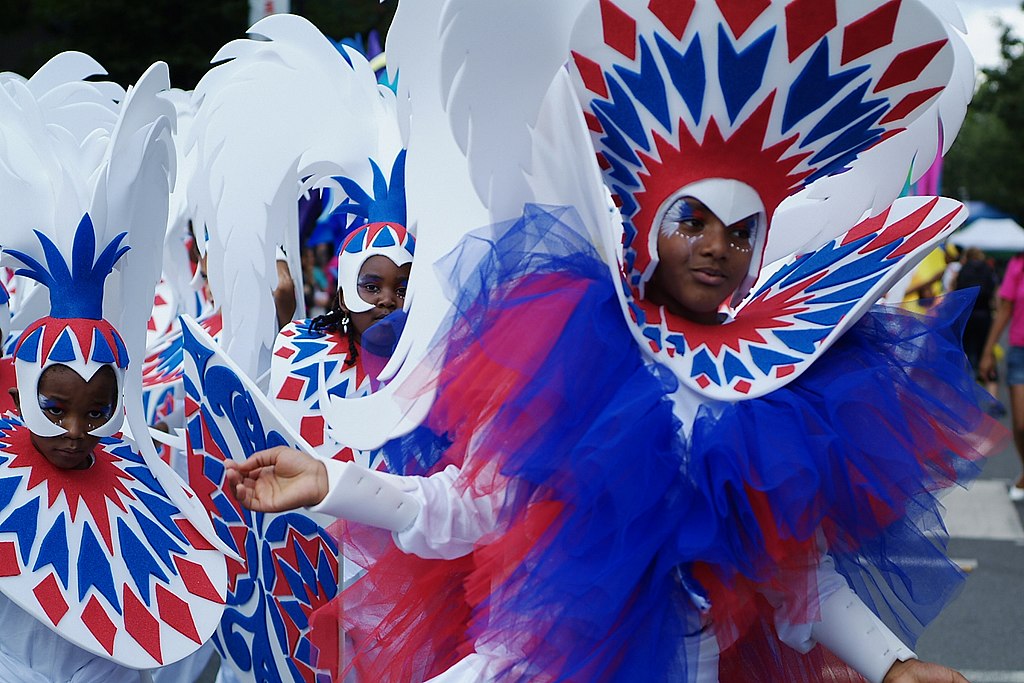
pixel 624 494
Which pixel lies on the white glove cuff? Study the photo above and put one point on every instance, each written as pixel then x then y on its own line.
pixel 858 637
pixel 366 497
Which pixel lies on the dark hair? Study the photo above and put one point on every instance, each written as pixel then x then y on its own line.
pixel 333 321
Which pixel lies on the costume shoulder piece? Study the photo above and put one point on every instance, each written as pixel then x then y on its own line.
pixel 794 101
pixel 115 557
pixel 288 565
pixel 103 556
pixel 306 360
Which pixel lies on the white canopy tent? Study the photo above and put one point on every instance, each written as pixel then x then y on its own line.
pixel 991 234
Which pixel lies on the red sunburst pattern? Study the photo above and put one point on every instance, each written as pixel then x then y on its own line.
pixel 97 486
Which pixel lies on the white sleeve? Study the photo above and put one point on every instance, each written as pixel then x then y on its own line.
pixel 847 627
pixel 428 516
pixel 450 523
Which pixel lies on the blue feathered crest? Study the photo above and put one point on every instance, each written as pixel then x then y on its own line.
pixel 76 292
pixel 386 205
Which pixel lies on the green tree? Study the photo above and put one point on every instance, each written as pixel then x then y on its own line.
pixel 986 163
pixel 126 36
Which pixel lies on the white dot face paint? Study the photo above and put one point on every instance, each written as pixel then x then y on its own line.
pixel 690 220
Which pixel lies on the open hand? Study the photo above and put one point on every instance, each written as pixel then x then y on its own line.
pixel 277 479
pixel 916 671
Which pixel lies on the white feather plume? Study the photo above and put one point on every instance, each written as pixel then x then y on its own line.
pixel 282 108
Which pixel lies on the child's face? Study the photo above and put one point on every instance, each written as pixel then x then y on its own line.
pixel 701 261
pixel 79 407
pixel 382 284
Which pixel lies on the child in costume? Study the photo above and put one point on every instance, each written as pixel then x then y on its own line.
pixel 109 569
pixel 245 191
pixel 670 497
pixel 342 352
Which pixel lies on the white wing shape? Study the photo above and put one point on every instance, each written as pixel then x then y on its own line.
pixel 881 172
pixel 133 190
pixel 176 266
pixel 284 107
pixel 503 124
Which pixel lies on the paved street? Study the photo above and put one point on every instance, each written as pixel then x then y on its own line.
pixel 982 632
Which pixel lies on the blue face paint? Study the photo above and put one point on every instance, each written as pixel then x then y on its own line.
pixel 689 218
pixel 46 403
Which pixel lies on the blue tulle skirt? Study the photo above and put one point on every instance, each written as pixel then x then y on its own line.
pixel 626 533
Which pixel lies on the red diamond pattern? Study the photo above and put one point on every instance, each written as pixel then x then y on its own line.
pixel 743 386
pixel 99 624
pixel 175 612
pixel 674 14
pixel 311 428
pixel 909 103
pixel 195 539
pixel 807 22
pixel 865 228
pixel 591 74
pixel 141 624
pixel 740 14
pixel 51 599
pixel 908 65
pixel 9 565
pixel 619 29
pixel 291 389
pixel 870 32
pixel 285 352
pixel 196 580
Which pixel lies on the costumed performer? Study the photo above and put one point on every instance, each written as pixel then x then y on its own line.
pixel 244 192
pixel 668 498
pixel 109 569
pixel 342 352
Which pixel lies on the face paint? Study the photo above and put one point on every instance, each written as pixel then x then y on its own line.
pixel 691 221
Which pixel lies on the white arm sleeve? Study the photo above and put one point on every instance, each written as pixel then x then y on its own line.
pixel 428 515
pixel 450 523
pixel 858 637
pixel 362 495
pixel 847 627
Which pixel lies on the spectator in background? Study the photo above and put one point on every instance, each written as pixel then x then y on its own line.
pixel 977 273
pixel 1008 312
pixel 927 280
pixel 314 284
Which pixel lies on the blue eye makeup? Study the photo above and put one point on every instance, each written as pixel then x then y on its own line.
pixel 679 212
pixel 45 403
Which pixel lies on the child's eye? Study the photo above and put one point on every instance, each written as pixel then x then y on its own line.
pixel 741 234
pixel 400 292
pixel 53 411
pixel 690 225
pixel 373 289
pixel 94 415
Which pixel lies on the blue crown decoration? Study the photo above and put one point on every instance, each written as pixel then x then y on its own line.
pixel 76 292
pixel 387 205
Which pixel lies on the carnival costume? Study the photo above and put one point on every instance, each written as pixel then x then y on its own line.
pixel 244 194
pixel 628 495
pixel 310 361
pixel 618 494
pixel 113 567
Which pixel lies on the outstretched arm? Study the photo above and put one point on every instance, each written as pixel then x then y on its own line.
pixel 277 479
pixel 281 478
pixel 916 671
